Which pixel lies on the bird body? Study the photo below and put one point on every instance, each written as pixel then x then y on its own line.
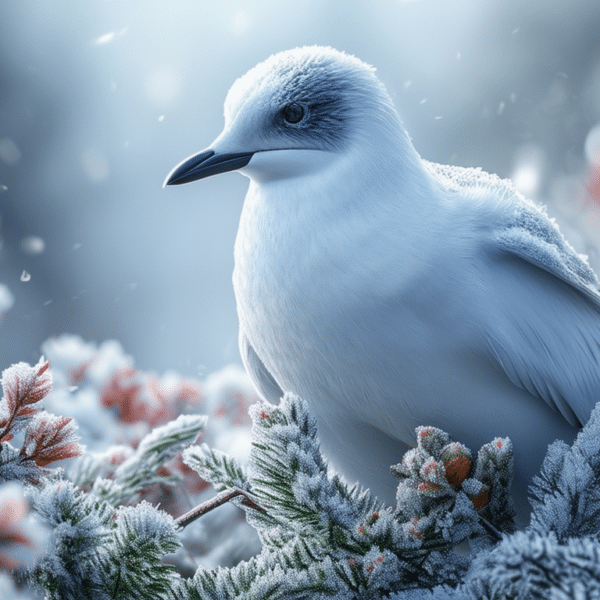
pixel 390 292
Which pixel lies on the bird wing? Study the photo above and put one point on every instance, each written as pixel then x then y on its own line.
pixel 260 375
pixel 542 321
pixel 532 236
pixel 553 344
pixel 524 229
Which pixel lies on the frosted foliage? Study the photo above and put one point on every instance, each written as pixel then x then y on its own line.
pixel 450 536
pixel 56 501
pixel 296 433
pixel 566 495
pixel 141 468
pixel 92 548
pixel 24 385
pixel 527 565
pixel 438 593
pixel 12 467
pixel 49 438
pixel 149 525
pixel 69 352
pixel 161 437
pixel 443 492
pixel 336 542
pixel 216 467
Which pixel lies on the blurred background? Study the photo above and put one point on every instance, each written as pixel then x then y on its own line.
pixel 100 99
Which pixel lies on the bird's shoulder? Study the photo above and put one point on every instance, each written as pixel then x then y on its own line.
pixel 505 222
pixel 541 315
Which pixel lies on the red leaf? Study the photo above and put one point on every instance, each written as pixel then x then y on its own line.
pixel 123 390
pixel 24 386
pixel 49 438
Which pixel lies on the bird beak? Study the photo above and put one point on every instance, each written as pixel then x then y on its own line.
pixel 205 164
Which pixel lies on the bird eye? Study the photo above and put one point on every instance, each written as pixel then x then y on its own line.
pixel 293 112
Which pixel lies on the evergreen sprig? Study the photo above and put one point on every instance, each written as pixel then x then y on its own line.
pixel 143 467
pixel 216 467
pixel 321 538
pixel 99 552
pixel 317 524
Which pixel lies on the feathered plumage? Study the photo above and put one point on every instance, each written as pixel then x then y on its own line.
pixel 390 292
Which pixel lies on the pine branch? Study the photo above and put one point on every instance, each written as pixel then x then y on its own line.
pixel 142 468
pixel 99 553
pixel 216 467
pixel 565 496
pixel 321 538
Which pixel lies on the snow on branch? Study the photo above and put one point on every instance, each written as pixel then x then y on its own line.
pixel 143 467
pixel 321 538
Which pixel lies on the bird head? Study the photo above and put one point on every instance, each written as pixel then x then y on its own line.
pixel 296 113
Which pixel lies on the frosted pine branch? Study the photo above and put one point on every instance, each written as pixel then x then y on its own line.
pixel 321 538
pixel 99 553
pixel 143 467
pixel 530 565
pixel 566 494
pixel 216 467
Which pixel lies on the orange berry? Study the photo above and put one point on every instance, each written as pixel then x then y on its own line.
pixel 457 460
pixel 481 499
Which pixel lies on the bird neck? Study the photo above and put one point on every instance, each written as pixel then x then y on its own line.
pixel 375 188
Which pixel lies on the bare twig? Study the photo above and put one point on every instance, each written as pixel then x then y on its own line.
pixel 491 530
pixel 218 500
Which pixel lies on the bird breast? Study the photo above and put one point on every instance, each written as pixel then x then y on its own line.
pixel 325 300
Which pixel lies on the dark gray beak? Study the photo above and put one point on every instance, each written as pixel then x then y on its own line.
pixel 205 164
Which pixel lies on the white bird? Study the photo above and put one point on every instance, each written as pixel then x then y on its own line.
pixel 391 292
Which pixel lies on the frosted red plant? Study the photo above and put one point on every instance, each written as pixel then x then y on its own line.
pixel 23 386
pixel 142 397
pixel 12 512
pixel 457 461
pixel 122 391
pixel 49 438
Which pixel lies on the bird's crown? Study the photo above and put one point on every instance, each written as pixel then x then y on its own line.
pixel 308 91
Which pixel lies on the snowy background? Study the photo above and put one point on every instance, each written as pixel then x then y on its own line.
pixel 100 99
